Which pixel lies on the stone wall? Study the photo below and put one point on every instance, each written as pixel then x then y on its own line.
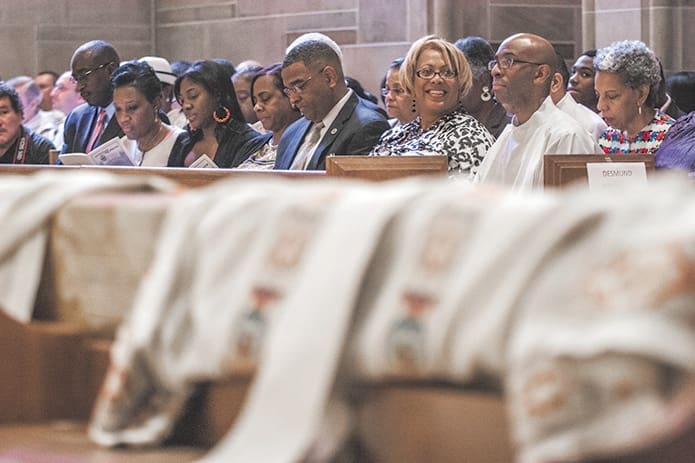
pixel 43 33
pixel 661 24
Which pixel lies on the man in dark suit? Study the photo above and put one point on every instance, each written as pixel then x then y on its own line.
pixel 336 120
pixel 93 123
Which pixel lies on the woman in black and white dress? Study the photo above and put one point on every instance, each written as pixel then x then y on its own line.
pixel 437 74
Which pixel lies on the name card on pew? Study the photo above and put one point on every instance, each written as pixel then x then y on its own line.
pixel 560 170
pixel 602 175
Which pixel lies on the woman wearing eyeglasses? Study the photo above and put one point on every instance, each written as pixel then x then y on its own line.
pixel 273 110
pixel 400 106
pixel 216 126
pixel 437 75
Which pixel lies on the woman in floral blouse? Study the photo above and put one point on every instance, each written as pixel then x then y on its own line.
pixel 626 81
pixel 437 74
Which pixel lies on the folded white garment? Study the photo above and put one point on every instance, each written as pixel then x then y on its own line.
pixel 579 303
pixel 298 368
pixel 229 258
pixel 28 203
pixel 604 342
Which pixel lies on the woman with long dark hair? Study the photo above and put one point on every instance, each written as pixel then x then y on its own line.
pixel 216 126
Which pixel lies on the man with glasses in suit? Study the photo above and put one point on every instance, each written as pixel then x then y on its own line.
pixel 94 122
pixel 336 120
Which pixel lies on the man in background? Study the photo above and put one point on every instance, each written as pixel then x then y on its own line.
pixel 46 80
pixel 45 123
pixel 18 144
pixel 93 123
pixel 64 98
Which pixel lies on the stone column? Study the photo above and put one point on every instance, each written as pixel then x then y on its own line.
pixel 447 18
pixel 658 23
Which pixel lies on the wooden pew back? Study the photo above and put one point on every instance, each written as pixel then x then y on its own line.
pixel 560 170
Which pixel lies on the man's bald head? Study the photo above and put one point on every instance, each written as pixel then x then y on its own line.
pixel 537 48
pixel 99 50
pixel 522 85
pixel 92 65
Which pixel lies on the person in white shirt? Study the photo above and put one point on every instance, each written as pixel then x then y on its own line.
pixel 522 73
pixel 46 80
pixel 136 96
pixel 588 119
pixel 45 123
pixel 64 98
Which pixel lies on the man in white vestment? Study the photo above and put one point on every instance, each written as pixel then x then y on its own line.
pixel 522 73
pixel 588 119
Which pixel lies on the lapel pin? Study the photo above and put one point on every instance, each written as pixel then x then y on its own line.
pixel 334 131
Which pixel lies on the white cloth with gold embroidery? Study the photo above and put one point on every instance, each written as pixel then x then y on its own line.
pixel 208 302
pixel 28 203
pixel 605 339
pixel 581 304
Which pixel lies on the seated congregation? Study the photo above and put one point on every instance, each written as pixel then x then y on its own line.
pixel 269 310
pixel 493 114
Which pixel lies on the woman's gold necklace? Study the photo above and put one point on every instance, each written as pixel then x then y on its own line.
pixel 154 140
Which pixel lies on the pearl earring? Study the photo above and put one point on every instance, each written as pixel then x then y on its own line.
pixel 486 95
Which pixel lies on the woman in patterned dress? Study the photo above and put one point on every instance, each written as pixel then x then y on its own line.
pixel 627 78
pixel 437 75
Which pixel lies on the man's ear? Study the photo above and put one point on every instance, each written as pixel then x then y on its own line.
pixel 544 73
pixel 331 75
pixel 556 83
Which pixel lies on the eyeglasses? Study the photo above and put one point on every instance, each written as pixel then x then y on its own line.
pixel 506 62
pixel 82 76
pixel 428 73
pixel 396 91
pixel 296 88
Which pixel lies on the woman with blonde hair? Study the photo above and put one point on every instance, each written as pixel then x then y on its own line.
pixel 437 75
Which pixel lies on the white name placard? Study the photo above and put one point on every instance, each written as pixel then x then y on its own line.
pixel 615 174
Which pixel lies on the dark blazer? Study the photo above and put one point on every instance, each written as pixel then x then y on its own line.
pixel 36 151
pixel 78 128
pixel 355 131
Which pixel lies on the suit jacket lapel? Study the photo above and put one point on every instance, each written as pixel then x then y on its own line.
pixel 295 143
pixel 333 131
pixel 86 123
pixel 112 130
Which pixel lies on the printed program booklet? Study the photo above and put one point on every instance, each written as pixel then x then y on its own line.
pixel 111 153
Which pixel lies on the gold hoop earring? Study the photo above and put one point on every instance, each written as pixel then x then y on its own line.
pixel 222 119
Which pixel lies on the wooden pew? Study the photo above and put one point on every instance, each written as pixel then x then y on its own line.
pixel 560 170
pixel 379 168
pixel 192 178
